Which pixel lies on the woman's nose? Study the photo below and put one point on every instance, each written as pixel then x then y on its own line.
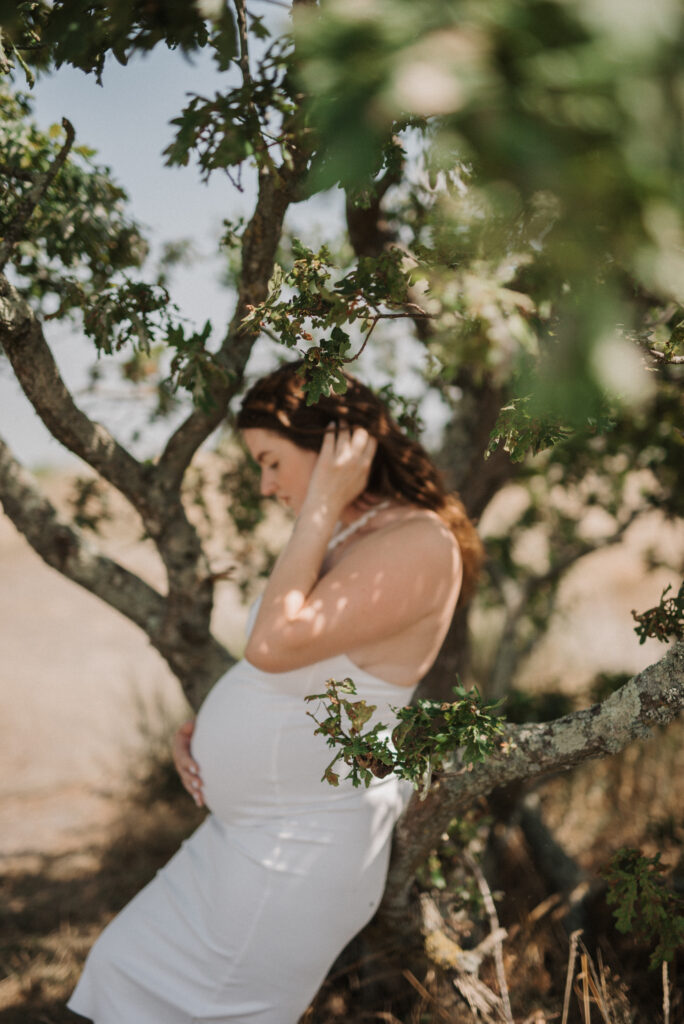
pixel 267 484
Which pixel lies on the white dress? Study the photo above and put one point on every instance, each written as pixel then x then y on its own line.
pixel 244 922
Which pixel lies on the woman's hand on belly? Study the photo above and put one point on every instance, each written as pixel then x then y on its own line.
pixel 186 766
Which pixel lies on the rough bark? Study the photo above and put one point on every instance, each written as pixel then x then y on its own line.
pixel 653 697
pixel 36 370
pixel 63 547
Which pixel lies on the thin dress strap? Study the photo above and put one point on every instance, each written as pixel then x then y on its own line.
pixel 341 535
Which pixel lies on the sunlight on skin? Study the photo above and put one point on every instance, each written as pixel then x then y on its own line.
pixel 385 603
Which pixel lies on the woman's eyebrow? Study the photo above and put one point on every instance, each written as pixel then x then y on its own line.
pixel 262 455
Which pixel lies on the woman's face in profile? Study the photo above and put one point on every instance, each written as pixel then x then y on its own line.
pixel 285 468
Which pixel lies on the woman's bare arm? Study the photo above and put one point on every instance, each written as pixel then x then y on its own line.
pixel 385 584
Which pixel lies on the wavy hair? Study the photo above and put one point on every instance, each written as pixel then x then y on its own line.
pixel 401 468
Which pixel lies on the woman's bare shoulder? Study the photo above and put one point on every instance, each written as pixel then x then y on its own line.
pixel 410 531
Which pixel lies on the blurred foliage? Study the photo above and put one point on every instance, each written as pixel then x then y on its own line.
pixel 644 904
pixel 89 503
pixel 521 706
pixel 579 496
pixel 84 33
pixel 565 121
pixel 664 621
pixel 584 100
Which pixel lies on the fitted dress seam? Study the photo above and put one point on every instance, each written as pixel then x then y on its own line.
pixel 254 923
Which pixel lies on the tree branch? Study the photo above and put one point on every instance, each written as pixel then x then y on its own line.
pixel 64 547
pixel 244 46
pixel 27 350
pixel 277 189
pixel 198 662
pixel 661 357
pixel 18 173
pixel 653 697
pixel 34 195
pixel 370 234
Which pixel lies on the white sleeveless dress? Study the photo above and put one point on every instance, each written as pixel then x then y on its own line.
pixel 244 922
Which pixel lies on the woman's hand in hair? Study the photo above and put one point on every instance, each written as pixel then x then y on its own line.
pixel 341 472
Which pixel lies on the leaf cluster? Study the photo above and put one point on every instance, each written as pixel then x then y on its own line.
pixel 84 33
pixel 193 366
pixel 247 122
pixel 644 904
pixel 79 229
pixel 519 432
pixel 665 620
pixel 89 503
pixel 424 737
pixel 307 299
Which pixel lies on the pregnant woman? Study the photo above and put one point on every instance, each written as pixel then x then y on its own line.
pixel 244 922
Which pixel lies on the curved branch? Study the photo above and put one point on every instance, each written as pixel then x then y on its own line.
pixel 196 661
pixel 653 697
pixel 27 350
pixel 65 548
pixel 277 189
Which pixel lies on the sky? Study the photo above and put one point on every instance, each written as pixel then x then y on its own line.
pixel 127 121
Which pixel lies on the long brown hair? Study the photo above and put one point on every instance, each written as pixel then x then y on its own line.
pixel 401 468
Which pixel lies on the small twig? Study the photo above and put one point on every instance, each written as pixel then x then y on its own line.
pixel 271 334
pixel 602 976
pixel 260 142
pixel 416 311
pixel 597 990
pixel 666 994
pixel 235 182
pixel 412 311
pixel 422 991
pixel 574 939
pixel 490 907
pixel 244 47
pixel 584 978
pixel 668 360
pixel 352 359
pixel 33 197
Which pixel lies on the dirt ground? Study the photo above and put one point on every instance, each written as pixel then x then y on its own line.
pixel 76 678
